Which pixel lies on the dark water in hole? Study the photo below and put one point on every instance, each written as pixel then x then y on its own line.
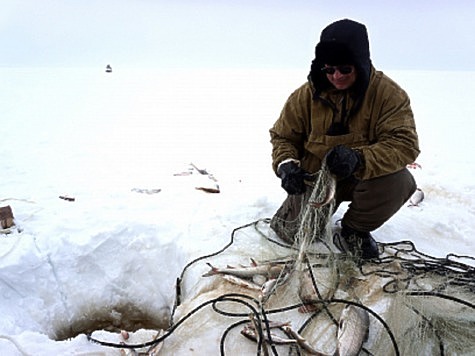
pixel 124 317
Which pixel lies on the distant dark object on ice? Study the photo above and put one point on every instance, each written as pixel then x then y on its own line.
pixel 67 198
pixel 108 69
pixel 6 217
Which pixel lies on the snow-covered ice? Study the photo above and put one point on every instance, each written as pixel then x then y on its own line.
pixel 107 138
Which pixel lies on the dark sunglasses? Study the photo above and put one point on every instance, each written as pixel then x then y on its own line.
pixel 344 70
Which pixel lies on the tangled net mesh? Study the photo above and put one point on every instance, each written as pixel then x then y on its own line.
pixel 418 304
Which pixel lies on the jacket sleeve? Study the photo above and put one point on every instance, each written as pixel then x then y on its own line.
pixel 290 130
pixel 394 141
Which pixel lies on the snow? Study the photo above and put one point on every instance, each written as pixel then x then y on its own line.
pixel 105 139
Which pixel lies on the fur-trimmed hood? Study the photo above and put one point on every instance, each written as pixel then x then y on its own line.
pixel 342 42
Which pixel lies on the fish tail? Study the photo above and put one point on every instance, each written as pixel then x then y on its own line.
pixel 211 272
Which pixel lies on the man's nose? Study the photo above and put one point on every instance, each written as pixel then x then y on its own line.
pixel 337 74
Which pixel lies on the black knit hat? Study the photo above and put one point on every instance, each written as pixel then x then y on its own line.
pixel 334 53
pixel 342 42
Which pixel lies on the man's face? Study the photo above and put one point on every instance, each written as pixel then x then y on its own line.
pixel 342 77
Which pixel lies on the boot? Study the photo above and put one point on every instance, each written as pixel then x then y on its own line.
pixel 357 243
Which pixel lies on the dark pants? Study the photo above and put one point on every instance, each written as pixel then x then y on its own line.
pixel 373 202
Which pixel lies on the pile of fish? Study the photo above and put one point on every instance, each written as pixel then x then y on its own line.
pixel 352 332
pixel 261 277
pixel 353 324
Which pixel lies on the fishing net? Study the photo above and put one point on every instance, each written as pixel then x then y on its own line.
pixel 417 304
pixel 426 304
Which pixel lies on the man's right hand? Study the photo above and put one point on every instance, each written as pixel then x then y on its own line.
pixel 293 177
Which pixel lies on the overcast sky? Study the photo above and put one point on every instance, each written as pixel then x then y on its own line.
pixel 404 34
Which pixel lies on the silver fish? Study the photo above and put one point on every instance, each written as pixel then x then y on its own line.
pixel 128 352
pixel 241 282
pixel 308 295
pixel 416 198
pixel 306 289
pixel 253 322
pixel 301 341
pixel 331 190
pixel 272 324
pixel 251 334
pixel 259 279
pixel 352 331
pixel 269 270
pixel 269 287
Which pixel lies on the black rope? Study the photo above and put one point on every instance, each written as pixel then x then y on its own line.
pixel 255 313
pixel 317 291
pixel 414 267
pixel 233 326
pixel 189 264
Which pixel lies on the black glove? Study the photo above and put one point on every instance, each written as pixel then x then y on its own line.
pixel 293 177
pixel 342 161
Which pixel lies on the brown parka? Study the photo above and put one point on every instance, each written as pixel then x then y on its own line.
pixel 377 115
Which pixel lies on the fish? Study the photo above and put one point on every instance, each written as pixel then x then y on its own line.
pixel 128 352
pixel 253 322
pixel 416 198
pixel 414 165
pixel 208 190
pixel 331 190
pixel 308 295
pixel 125 334
pixel 269 270
pixel 241 282
pixel 251 334
pixel 306 289
pixel 353 330
pixel 259 279
pixel 269 287
pixel 301 341
pixel 270 323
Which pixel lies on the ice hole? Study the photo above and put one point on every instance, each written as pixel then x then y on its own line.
pixel 126 316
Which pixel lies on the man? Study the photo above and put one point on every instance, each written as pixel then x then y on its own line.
pixel 357 120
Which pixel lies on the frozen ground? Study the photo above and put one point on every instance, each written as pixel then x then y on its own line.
pixel 105 139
